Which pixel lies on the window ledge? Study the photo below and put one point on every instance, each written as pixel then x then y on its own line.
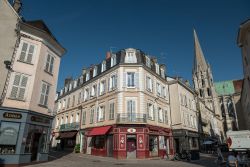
pixel 43 106
pixel 25 62
pixel 10 98
pixel 48 72
pixel 131 87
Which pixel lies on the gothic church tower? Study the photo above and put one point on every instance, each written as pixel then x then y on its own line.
pixel 203 79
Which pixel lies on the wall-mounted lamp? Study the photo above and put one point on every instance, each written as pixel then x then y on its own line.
pixel 7 64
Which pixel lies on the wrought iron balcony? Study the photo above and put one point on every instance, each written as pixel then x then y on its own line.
pixel 131 118
pixel 69 126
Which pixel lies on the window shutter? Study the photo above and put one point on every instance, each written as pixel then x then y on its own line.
pixel 16 82
pixel 13 93
pixel 99 90
pixel 133 106
pixel 148 112
pixel 128 107
pixel 30 53
pixel 136 80
pixel 51 64
pixel 22 88
pixel 115 81
pixel 17 79
pixel 103 114
pixel 23 52
pixel 124 79
pixel 47 63
pixel 104 86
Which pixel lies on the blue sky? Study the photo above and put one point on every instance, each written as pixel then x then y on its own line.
pixel 161 28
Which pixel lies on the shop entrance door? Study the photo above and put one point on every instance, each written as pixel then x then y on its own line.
pixel 35 145
pixel 177 144
pixel 110 146
pixel 153 146
pixel 131 146
pixel 89 145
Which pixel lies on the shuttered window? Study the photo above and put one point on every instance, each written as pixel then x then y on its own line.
pixel 100 116
pixel 49 64
pixel 19 86
pixel 27 53
pixel 44 94
pixel 112 82
pixel 111 111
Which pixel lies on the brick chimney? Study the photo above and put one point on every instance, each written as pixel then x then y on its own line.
pixel 108 55
pixel 17 5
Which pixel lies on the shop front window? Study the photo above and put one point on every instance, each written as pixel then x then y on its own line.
pixel 99 142
pixel 8 137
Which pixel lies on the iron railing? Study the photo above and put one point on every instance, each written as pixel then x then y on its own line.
pixel 69 126
pixel 131 118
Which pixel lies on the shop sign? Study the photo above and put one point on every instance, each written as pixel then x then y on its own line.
pixel 131 130
pixel 39 119
pixel 12 115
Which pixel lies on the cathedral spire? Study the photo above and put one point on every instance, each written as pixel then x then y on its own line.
pixel 199 60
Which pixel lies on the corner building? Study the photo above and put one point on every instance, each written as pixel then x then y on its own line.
pixel 118 108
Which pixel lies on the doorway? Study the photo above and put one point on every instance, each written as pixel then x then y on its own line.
pixel 176 145
pixel 153 146
pixel 110 146
pixel 35 146
pixel 131 146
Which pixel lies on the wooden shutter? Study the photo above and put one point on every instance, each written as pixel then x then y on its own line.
pixel 51 64
pixel 47 63
pixel 23 52
pixel 30 53
pixel 22 87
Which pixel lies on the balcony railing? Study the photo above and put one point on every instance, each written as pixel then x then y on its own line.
pixel 131 118
pixel 69 126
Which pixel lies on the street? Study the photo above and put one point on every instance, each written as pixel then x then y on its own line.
pixel 64 160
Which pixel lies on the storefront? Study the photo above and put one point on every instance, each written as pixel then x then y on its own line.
pixel 127 142
pixel 67 140
pixel 185 140
pixel 24 136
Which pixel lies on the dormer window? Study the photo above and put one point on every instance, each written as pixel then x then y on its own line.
pixel 162 73
pixel 103 66
pixel 95 71
pixel 130 57
pixel 148 64
pixel 157 68
pixel 113 60
pixel 87 76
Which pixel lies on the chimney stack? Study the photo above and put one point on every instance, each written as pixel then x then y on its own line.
pixel 67 81
pixel 17 6
pixel 108 55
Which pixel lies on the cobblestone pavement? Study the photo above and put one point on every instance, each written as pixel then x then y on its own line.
pixel 82 160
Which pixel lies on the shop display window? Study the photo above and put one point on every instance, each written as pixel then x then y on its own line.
pixel 99 142
pixel 8 137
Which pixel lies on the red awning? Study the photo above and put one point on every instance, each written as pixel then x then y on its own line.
pixel 99 131
pixel 67 134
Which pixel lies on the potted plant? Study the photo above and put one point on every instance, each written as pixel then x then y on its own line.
pixel 77 148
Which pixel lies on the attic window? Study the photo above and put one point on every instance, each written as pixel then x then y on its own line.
pixel 103 66
pixel 113 60
pixel 130 57
pixel 95 71
pixel 148 64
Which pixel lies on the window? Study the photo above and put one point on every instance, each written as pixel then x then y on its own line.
pixel 103 66
pixel 87 76
pixel 131 110
pixel 19 86
pixel 95 71
pixel 49 64
pixel 93 91
pixel 149 84
pixel 160 115
pixel 157 68
pixel 162 73
pixel 64 103
pixel 8 137
pixel 59 105
pixel 66 120
pixel 79 98
pixel 166 116
pixel 91 116
pixel 208 92
pixel 68 102
pixel 202 82
pixel 201 93
pixel 73 101
pixel 102 87
pixel 113 82
pixel 27 53
pixel 113 60
pixel 150 109
pixel 71 118
pixel 44 94
pixel 77 117
pixel 70 86
pixel 148 63
pixel 130 79
pixel 130 57
pixel 163 91
pixel 100 114
pixel 61 121
pixel 158 87
pixel 111 111
pixel 84 117
pixel 86 94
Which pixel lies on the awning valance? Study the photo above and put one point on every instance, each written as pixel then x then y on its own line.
pixel 99 131
pixel 67 135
